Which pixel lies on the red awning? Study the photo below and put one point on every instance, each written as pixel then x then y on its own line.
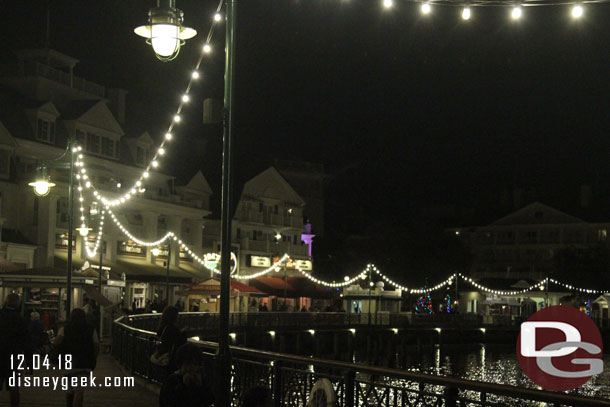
pixel 212 287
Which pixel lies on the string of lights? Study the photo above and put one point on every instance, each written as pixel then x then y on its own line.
pixel 84 227
pixel 515 8
pixel 123 229
pixel 155 162
pixel 582 290
pixel 539 285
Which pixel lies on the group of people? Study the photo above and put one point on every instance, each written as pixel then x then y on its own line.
pixel 185 384
pixel 77 338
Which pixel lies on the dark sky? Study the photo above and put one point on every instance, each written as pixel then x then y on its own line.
pixel 409 111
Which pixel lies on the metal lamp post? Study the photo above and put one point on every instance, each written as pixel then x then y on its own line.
pixel 42 186
pixel 167 15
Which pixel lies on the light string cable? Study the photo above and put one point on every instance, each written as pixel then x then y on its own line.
pixel 161 151
pixel 505 292
pixel 83 219
pixel 582 290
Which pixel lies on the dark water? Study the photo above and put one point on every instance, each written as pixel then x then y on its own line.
pixel 490 363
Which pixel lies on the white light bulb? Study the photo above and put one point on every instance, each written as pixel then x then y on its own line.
pixel 195 75
pixel 577 11
pixel 165 39
pixel 146 174
pixel 466 13
pixel 207 49
pixel 168 136
pixel 155 163
pixel 161 151
pixel 387 3
pixel 177 118
pixel 516 13
pixel 88 184
pixel 426 8
pixel 185 98
pixel 217 17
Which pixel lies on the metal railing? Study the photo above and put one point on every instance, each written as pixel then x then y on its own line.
pixel 292 378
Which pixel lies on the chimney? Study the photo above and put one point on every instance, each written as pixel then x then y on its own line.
pixel 585 196
pixel 116 97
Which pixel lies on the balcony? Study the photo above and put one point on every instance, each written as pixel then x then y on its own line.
pixel 31 68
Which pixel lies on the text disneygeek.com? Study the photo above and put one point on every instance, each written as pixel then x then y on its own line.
pixel 68 382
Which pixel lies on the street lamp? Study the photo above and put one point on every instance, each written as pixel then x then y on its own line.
pixel 165 31
pixel 42 185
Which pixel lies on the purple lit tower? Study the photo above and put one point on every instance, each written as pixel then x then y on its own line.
pixel 307 236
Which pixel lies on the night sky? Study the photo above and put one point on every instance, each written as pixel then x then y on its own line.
pixel 406 112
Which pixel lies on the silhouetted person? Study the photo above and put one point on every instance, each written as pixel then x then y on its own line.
pixel 38 336
pixel 80 340
pixel 304 309
pixel 258 396
pixel 186 387
pixel 170 335
pixel 13 340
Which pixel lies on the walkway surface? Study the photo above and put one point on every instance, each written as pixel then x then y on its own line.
pixel 98 397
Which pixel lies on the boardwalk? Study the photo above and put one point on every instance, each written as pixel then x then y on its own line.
pixel 99 397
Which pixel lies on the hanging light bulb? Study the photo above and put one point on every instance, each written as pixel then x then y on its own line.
pixel 466 13
pixel 217 17
pixel 426 8
pixel 83 230
pixel 388 3
pixel 577 11
pixel 165 31
pixel 516 13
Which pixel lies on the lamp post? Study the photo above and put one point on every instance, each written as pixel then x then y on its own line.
pixel 370 286
pixel 169 255
pixel 165 28
pixel 224 355
pixel 42 186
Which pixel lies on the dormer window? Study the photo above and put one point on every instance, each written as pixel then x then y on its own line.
pixel 45 131
pixel 99 145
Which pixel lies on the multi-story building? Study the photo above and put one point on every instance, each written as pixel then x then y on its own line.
pixel 43 105
pixel 525 243
pixel 268 223
pixel 307 179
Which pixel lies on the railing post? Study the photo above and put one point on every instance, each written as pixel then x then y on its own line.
pixel 349 380
pixel 277 384
pixel 451 396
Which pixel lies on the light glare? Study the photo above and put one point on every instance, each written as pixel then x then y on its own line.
pixel 426 8
pixel 577 11
pixel 466 13
pixel 516 13
pixel 387 3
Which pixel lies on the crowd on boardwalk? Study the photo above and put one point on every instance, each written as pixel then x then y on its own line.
pixel 179 364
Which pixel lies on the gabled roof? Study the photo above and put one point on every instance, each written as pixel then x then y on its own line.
pixel 270 184
pixel 6 139
pixel 92 112
pixel 537 214
pixel 145 138
pixel 199 184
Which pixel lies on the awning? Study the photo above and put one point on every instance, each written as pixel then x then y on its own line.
pixel 137 271
pixel 273 285
pixel 211 287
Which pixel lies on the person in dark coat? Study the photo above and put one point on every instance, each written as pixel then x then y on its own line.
pixel 170 336
pixel 13 340
pixel 187 386
pixel 80 340
pixel 38 337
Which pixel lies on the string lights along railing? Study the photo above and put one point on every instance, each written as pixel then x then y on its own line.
pixel 168 136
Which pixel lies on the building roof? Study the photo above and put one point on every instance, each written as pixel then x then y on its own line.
pixel 537 213
pixel 270 184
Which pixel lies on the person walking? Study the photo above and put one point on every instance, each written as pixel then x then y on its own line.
pixel 80 340
pixel 186 387
pixel 13 340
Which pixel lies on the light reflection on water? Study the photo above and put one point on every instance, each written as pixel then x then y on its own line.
pixel 490 363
